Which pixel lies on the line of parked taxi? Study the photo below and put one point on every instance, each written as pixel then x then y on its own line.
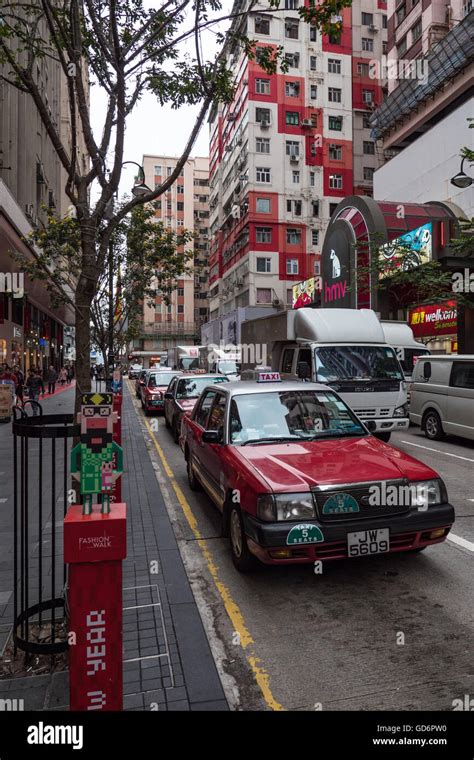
pixel 295 474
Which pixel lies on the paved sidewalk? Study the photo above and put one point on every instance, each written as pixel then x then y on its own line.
pixel 168 664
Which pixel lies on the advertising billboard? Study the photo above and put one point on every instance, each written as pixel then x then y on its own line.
pixel 408 251
pixel 304 293
pixel 433 320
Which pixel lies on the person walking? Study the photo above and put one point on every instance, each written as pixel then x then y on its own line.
pixel 35 386
pixel 20 382
pixel 51 379
pixel 62 375
pixel 69 374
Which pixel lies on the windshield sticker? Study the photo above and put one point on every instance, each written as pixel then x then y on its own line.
pixel 305 533
pixel 340 504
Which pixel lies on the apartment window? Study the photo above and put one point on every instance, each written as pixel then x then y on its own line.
pixel 180 189
pixel 263 174
pixel 335 152
pixel 292 89
pixel 314 237
pixel 292 266
pixel 262 25
pixel 262 115
pixel 334 94
pixel 335 38
pixel 263 234
pixel 291 28
pixel 313 62
pixel 335 181
pixel 262 145
pixel 312 34
pixel 293 237
pixel 292 118
pixel 264 265
pixel 263 206
pixel 368 96
pixel 368 173
pixel 203 198
pixel 363 69
pixel 384 47
pixel 335 123
pixel 169 170
pixel 313 91
pixel 332 208
pixel 264 295
pixel 384 20
pixel 293 60
pixel 416 31
pixel 168 205
pixel 157 205
pixel 296 177
pixel 180 308
pixel 294 207
pixel 292 148
pixel 366 121
pixel 312 179
pixel 402 46
pixel 262 86
pixel 180 292
pixel 317 267
pixel 367 44
pixel 314 208
pixel 180 222
pixel 291 5
pixel 180 206
pixel 368 147
pixel 400 13
pixel 157 171
pixel 334 65
pixel 367 18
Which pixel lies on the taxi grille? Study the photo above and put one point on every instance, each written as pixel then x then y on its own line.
pixel 365 495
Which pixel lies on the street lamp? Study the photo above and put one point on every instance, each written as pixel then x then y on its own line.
pixel 140 188
pixel 461 179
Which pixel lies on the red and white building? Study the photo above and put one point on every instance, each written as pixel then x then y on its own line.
pixel 288 149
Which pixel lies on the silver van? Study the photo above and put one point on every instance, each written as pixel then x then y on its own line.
pixel 442 396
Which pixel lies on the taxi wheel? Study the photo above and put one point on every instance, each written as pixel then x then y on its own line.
pixel 194 483
pixel 242 558
pixel 432 426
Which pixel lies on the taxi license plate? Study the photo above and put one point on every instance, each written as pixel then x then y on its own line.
pixel 366 542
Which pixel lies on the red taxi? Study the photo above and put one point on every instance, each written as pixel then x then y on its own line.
pixel 299 478
pixel 181 396
pixel 152 392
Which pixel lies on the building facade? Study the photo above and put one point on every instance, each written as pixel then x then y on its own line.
pixel 185 206
pixel 288 148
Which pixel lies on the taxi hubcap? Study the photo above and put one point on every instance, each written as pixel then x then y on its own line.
pixel 236 533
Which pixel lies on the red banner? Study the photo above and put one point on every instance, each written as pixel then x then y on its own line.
pixel 434 319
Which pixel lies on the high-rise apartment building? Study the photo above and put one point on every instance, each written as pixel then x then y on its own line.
pixel 185 206
pixel 288 149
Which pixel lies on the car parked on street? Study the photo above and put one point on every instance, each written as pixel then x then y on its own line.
pixel 442 396
pixel 134 371
pixel 140 381
pixel 299 478
pixel 182 395
pixel 152 392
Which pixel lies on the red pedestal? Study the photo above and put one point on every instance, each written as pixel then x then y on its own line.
pixel 94 547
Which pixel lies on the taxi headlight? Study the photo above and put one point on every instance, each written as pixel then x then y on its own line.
pixel 401 411
pixel 285 506
pixel 428 493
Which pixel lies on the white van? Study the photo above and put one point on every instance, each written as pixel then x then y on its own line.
pixel 442 396
pixel 400 336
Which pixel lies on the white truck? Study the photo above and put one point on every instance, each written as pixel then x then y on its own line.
pixel 183 357
pixel 220 361
pixel 400 336
pixel 344 348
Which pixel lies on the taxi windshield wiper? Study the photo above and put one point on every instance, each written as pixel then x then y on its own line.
pixel 275 439
pixel 338 431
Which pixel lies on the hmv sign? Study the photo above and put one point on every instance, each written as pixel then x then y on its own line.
pixel 336 268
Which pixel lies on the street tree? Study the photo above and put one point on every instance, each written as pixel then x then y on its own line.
pixel 126 48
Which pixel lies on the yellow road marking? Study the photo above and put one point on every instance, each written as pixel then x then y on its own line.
pixel 231 607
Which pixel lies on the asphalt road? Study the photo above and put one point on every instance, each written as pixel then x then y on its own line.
pixel 390 632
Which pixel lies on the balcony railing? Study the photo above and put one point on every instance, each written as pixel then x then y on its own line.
pixel 168 328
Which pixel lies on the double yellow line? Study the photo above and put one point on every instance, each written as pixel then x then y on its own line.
pixel 245 638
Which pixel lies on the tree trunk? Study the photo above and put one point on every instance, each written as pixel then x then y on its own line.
pixel 84 296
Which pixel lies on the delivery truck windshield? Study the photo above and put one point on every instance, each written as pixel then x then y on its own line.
pixel 339 363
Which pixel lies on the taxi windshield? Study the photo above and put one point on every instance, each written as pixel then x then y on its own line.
pixel 288 415
pixel 160 378
pixel 191 387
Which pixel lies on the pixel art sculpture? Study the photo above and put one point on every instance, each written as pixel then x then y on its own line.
pixel 92 460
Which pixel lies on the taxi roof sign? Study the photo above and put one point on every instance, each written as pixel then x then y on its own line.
pixel 268 377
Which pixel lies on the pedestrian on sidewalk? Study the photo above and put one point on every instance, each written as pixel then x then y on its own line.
pixel 63 375
pixel 20 382
pixel 51 379
pixel 70 374
pixel 35 386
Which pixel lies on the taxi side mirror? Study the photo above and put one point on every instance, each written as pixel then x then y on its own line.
pixel 168 395
pixel 212 436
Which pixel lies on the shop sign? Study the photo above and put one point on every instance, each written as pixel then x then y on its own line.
pixel 434 320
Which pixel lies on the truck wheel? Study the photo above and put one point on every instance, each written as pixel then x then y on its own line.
pixel 194 483
pixel 432 426
pixel 242 558
pixel 385 437
pixel 166 421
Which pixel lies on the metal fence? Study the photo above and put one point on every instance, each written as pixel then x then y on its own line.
pixel 41 470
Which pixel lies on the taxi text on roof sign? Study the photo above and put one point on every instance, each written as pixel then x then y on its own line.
pixel 268 377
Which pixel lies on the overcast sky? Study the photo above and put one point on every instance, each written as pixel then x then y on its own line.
pixel 153 129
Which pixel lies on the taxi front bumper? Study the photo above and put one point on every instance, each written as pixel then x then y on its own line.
pixel 412 530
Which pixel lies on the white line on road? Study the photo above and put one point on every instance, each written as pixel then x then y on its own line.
pixel 438 451
pixel 461 542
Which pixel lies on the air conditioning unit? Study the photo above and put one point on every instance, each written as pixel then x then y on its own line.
pixel 277 302
pixel 307 123
pixel 373 28
pixel 231 116
pixel 239 282
pixel 294 159
pixel 235 212
pixel 30 210
pixel 259 19
pixel 243 178
pixel 264 124
pixel 239 141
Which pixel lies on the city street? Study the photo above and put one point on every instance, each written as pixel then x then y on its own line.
pixel 390 632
